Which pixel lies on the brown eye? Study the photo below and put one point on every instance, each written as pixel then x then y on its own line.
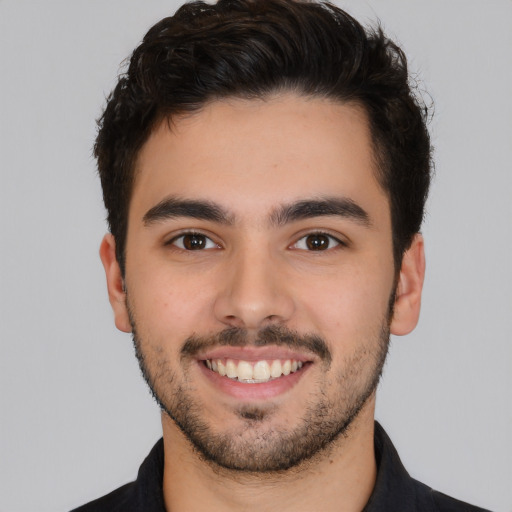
pixel 316 242
pixel 194 242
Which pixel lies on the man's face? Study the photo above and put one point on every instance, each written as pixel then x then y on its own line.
pixel 259 273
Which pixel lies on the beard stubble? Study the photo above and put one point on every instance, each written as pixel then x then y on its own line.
pixel 256 446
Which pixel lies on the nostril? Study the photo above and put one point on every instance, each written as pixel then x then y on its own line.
pixel 233 321
pixel 252 307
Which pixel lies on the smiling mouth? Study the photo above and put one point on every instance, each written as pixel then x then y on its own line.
pixel 253 372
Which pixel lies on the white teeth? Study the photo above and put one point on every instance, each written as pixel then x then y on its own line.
pixel 275 369
pixel 231 369
pixel 261 371
pixel 244 371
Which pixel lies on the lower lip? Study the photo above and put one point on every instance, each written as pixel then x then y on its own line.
pixel 255 391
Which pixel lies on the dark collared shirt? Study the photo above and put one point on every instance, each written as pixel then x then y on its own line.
pixel 395 490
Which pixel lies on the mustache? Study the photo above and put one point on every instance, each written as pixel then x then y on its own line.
pixel 271 335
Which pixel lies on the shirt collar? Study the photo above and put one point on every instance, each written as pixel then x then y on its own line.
pixel 394 488
pixel 149 494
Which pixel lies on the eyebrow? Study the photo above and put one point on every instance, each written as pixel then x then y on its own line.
pixel 330 206
pixel 172 207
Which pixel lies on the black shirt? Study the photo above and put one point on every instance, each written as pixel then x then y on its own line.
pixel 395 490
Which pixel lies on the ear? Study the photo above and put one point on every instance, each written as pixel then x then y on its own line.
pixel 115 283
pixel 410 284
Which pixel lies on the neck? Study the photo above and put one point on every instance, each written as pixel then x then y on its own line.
pixel 340 479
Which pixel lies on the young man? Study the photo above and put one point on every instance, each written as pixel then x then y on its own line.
pixel 265 167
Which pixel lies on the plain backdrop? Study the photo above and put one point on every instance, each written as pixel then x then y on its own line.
pixel 76 419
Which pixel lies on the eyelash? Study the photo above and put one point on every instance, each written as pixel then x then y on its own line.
pixel 338 243
pixel 210 244
pixel 206 238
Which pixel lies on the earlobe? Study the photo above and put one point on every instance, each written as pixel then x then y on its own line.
pixel 115 283
pixel 410 284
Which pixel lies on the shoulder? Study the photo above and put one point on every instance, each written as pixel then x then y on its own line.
pixel 395 489
pixel 116 501
pixel 443 503
pixel 144 494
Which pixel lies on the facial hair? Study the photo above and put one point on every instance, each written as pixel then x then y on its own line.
pixel 257 445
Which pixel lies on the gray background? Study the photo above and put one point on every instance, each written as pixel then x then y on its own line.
pixel 76 418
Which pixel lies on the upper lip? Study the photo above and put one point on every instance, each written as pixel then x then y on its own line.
pixel 255 353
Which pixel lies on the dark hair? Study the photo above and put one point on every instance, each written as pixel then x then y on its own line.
pixel 254 48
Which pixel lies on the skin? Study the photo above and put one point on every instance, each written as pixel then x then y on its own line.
pixel 251 158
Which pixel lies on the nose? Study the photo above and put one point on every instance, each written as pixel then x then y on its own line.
pixel 254 293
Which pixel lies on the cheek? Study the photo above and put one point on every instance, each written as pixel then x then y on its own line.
pixel 170 303
pixel 346 305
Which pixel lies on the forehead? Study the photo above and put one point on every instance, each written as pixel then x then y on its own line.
pixel 252 154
